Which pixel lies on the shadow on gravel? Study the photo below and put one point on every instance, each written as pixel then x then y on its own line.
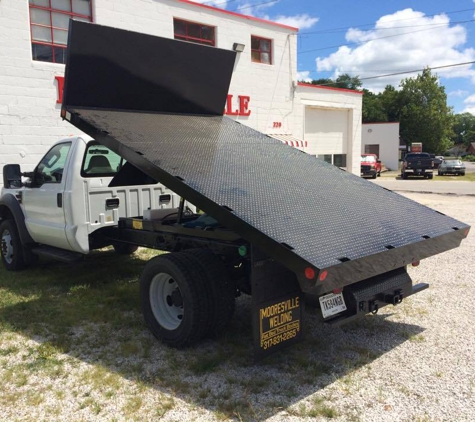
pixel 91 312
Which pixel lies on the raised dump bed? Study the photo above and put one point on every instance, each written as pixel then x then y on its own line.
pixel 158 103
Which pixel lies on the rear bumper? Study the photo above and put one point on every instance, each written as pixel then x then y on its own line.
pixel 369 296
pixel 419 171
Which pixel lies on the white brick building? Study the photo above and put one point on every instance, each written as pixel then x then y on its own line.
pixel 264 92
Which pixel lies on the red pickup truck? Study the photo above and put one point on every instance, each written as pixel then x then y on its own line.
pixel 370 165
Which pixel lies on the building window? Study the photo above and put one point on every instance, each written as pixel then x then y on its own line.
pixel 261 50
pixel 338 160
pixel 49 22
pixel 194 32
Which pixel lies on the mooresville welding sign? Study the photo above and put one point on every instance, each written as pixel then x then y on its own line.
pixel 279 323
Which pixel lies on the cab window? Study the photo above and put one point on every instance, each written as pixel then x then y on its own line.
pixel 50 169
pixel 100 161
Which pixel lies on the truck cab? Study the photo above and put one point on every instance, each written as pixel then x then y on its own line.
pixel 370 166
pixel 66 200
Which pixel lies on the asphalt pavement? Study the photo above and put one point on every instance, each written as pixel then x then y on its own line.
pixel 426 186
pixel 391 180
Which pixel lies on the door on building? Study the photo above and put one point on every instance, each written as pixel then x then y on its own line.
pixel 372 149
pixel 43 200
pixel 326 131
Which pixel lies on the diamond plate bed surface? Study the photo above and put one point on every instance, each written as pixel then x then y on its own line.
pixel 325 214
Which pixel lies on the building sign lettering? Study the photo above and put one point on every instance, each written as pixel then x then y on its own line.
pixel 242 108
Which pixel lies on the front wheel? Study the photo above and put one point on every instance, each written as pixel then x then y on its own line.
pixel 174 300
pixel 11 247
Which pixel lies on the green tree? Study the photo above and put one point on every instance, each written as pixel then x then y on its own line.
pixel 390 100
pixel 424 114
pixel 464 128
pixel 348 82
pixel 343 81
pixel 373 110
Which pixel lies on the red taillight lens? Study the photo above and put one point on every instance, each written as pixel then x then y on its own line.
pixel 416 263
pixel 310 273
pixel 323 275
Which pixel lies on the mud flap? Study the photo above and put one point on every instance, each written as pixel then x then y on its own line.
pixel 277 306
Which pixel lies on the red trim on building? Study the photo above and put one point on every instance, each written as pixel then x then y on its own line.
pixel 381 123
pixel 238 15
pixel 353 91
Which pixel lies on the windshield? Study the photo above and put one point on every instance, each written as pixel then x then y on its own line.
pixel 368 158
pixel 453 162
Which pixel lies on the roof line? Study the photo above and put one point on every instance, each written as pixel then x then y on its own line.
pixel 380 123
pixel 238 15
pixel 353 91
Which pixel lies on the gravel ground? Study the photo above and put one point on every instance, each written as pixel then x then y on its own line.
pixel 414 362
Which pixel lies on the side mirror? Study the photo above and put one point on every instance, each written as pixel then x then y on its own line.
pixel 12 176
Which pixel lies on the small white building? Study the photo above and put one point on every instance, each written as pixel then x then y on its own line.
pixel 264 92
pixel 382 139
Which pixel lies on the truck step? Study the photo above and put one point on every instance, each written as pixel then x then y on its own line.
pixel 58 254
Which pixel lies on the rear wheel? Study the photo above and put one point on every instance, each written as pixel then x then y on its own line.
pixel 220 287
pixel 174 300
pixel 430 176
pixel 374 175
pixel 404 176
pixel 10 246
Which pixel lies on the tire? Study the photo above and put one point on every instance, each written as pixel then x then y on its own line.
pixel 174 300
pixel 374 176
pixel 11 248
pixel 379 174
pixel 462 174
pixel 430 176
pixel 404 176
pixel 124 248
pixel 221 289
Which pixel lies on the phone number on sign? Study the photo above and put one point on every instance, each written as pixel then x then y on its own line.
pixel 278 339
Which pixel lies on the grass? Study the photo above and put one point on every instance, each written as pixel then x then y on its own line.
pixel 79 332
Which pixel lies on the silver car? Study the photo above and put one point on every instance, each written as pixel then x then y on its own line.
pixel 451 167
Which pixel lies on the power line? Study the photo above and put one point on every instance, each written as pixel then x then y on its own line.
pixel 416 71
pixel 250 6
pixel 395 20
pixel 408 71
pixel 395 27
pixel 374 39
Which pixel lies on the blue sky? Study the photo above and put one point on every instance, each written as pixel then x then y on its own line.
pixel 370 38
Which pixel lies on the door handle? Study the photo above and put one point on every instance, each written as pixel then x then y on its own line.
pixel 59 200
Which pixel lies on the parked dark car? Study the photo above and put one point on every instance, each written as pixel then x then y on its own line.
pixel 417 164
pixel 451 167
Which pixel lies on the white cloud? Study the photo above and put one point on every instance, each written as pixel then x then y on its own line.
pixel 298 21
pixel 303 21
pixel 469 110
pixel 215 3
pixel 458 93
pixel 304 76
pixel 382 50
pixel 470 99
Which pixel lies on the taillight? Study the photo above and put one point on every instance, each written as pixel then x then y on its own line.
pixel 432 164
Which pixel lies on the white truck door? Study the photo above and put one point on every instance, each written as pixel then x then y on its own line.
pixel 43 200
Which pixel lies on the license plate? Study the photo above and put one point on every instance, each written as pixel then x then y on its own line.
pixel 332 304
